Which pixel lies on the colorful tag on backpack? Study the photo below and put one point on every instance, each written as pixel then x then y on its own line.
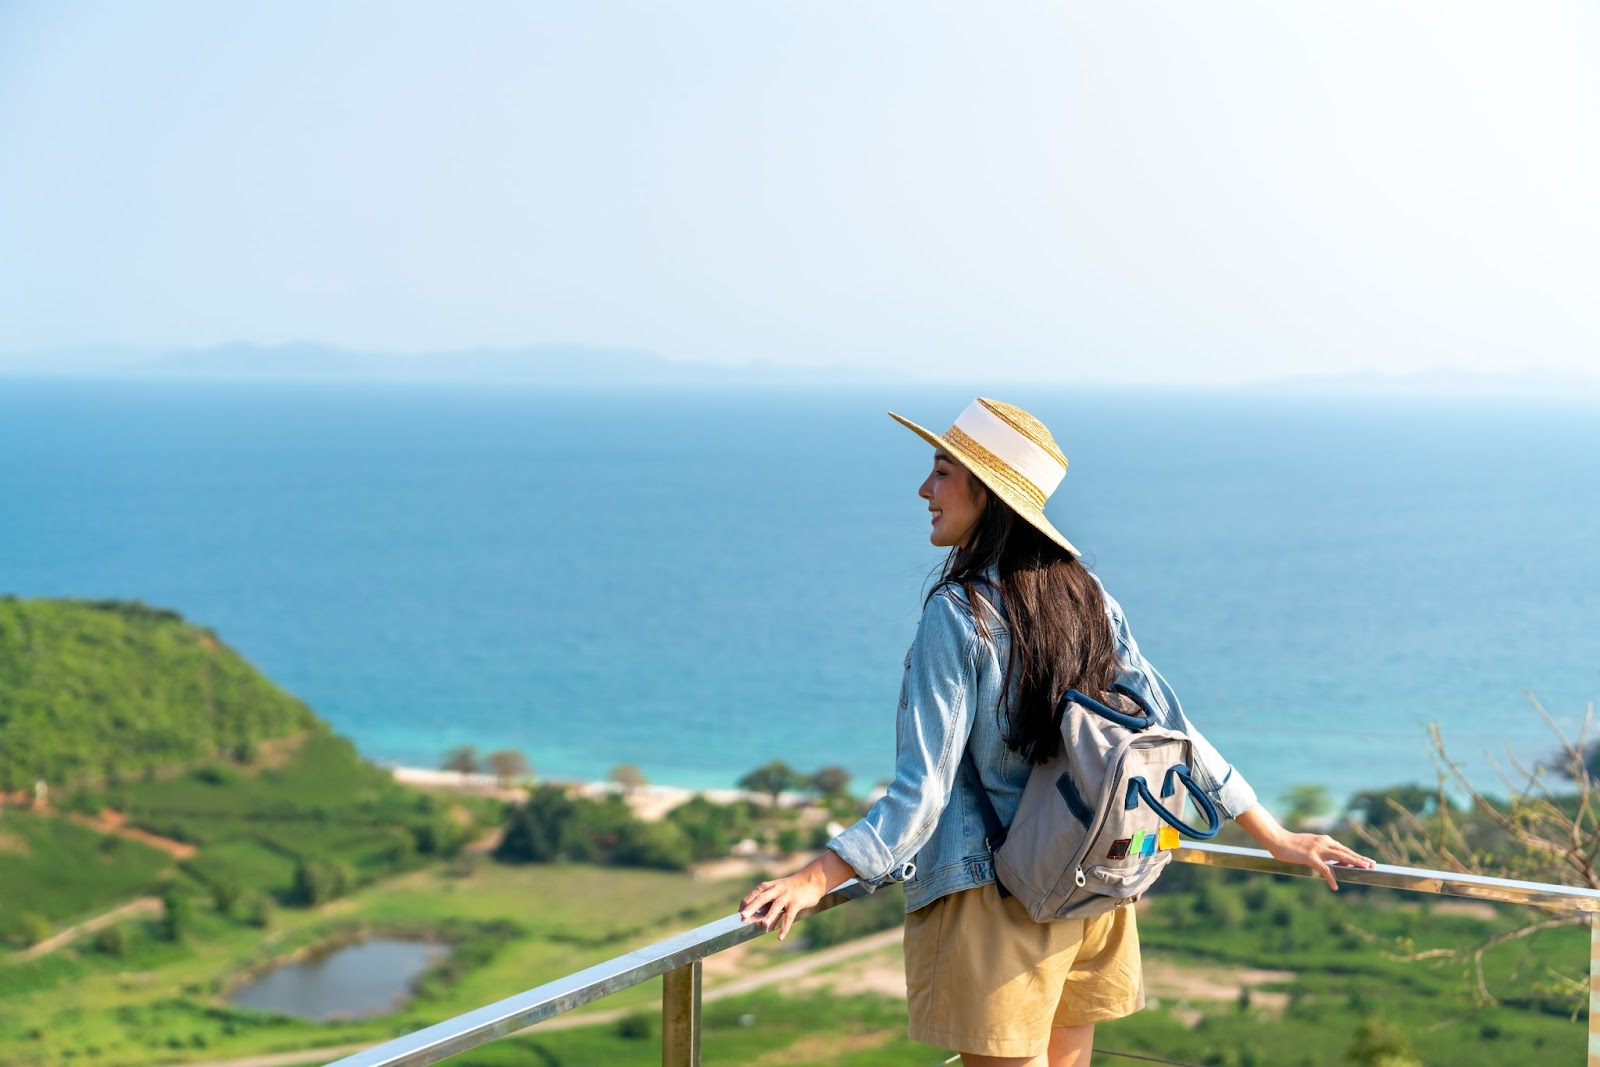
pixel 1166 838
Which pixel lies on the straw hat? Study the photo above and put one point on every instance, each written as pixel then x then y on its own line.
pixel 1009 451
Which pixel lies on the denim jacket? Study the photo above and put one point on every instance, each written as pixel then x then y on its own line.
pixel 926 830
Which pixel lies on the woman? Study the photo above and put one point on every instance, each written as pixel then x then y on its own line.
pixel 1014 622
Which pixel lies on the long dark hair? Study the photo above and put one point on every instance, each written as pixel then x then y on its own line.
pixel 1060 634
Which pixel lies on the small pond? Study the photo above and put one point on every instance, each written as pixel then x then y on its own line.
pixel 355 982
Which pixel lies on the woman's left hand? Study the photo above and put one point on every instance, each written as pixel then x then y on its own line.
pixel 785 898
pixel 1319 852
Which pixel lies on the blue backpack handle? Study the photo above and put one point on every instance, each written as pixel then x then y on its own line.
pixel 1138 790
pixel 1130 722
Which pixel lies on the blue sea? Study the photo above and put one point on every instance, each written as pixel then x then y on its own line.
pixel 698 581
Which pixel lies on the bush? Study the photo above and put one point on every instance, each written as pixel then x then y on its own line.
pixel 319 881
pixel 882 910
pixel 112 941
pixel 438 836
pixel 711 828
pixel 661 845
pixel 33 928
pixel 552 825
pixel 636 1027
pixel 176 913
pixel 257 911
pixel 226 892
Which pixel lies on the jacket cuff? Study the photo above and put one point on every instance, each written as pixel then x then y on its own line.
pixel 860 846
pixel 1234 796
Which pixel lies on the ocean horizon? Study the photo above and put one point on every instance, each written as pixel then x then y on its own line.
pixel 698 581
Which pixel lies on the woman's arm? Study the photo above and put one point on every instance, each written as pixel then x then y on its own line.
pixel 1317 851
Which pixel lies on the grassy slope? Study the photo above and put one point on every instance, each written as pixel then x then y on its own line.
pixel 105 871
pixel 96 689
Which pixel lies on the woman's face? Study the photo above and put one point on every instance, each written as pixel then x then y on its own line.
pixel 955 498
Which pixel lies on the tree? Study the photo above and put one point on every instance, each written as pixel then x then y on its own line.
pixel 1304 804
pixel 711 828
pixel 112 941
pixel 1379 1043
pixel 176 913
pixel 1377 808
pixel 319 881
pixel 1535 834
pixel 662 845
pixel 462 758
pixel 831 781
pixel 773 779
pixel 627 777
pixel 533 829
pixel 1571 769
pixel 226 892
pixel 508 765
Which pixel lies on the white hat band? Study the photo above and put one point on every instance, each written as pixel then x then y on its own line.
pixel 1012 448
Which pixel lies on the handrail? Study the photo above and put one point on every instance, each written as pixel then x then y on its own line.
pixel 1412 879
pixel 678 958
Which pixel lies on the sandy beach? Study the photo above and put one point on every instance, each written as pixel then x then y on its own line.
pixel 648 802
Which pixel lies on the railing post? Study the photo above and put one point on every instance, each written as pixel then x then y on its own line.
pixel 680 1016
pixel 1594 989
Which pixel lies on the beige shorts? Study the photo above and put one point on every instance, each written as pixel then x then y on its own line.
pixel 982 977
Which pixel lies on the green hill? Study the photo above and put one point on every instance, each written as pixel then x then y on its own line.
pixel 131 714
pixel 94 691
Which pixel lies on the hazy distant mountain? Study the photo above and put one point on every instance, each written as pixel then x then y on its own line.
pixel 552 364
pixel 1439 382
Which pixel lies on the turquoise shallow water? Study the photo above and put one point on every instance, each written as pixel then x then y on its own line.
pixel 698 582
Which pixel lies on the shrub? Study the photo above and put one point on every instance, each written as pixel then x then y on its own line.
pixel 882 910
pixel 319 881
pixel 661 845
pixel 112 941
pixel 176 914
pixel 226 892
pixel 257 911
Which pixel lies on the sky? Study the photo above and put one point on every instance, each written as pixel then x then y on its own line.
pixel 1127 192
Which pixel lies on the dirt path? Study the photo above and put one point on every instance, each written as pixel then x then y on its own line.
pixel 110 821
pixel 142 906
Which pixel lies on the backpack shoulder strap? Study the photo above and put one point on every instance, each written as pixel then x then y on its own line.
pixel 993 828
pixel 994 831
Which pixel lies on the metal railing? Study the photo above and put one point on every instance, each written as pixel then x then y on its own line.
pixel 677 960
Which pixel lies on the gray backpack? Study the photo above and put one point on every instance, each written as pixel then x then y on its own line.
pixel 1096 824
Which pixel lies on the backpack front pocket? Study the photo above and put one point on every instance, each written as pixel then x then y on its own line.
pixel 1105 888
